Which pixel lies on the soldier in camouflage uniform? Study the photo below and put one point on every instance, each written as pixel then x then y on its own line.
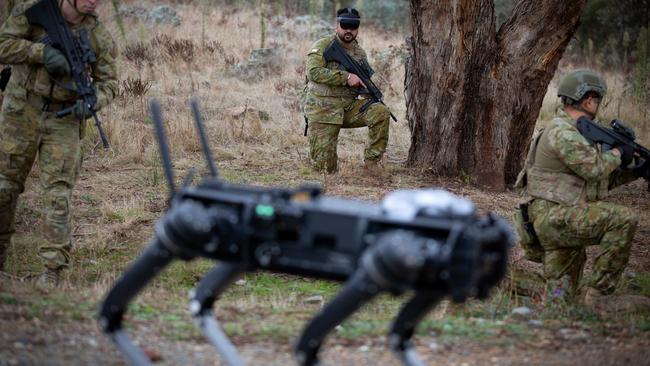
pixel 567 178
pixel 334 99
pixel 5 71
pixel 29 128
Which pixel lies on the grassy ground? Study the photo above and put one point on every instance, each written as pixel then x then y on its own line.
pixel 122 192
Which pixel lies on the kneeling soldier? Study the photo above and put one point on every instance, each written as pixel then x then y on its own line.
pixel 335 98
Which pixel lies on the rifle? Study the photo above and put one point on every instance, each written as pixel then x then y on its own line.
pixel 5 75
pixel 335 52
pixel 618 135
pixel 77 50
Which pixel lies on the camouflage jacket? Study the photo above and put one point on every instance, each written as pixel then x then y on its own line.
pixel 5 9
pixel 326 79
pixel 20 46
pixel 566 168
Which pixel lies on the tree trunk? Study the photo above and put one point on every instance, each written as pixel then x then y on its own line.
pixel 472 94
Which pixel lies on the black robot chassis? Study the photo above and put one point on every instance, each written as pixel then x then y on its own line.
pixel 429 243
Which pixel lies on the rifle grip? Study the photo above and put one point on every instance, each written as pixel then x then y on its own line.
pixel 64 112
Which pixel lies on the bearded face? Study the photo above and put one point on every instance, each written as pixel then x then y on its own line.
pixel 346 35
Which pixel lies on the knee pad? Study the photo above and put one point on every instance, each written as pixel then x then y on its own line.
pixel 378 114
pixel 59 206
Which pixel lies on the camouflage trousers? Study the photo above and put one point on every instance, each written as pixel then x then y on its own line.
pixel 27 132
pixel 325 124
pixel 565 231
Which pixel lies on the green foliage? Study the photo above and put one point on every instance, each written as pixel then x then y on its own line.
pixel 643 283
pixel 476 328
pixel 604 18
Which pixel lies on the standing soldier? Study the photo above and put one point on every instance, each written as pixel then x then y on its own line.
pixel 567 178
pixel 5 71
pixel 29 128
pixel 335 97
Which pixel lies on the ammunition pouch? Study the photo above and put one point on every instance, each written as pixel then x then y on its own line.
pixel 323 90
pixel 554 186
pixel 528 239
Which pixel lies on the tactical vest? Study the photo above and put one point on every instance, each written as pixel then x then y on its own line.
pixel 546 177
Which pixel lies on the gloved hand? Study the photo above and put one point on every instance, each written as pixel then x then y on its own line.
pixel 81 110
pixel 627 155
pixel 643 171
pixel 55 62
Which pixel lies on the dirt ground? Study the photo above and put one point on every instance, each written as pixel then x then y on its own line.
pixel 35 342
pixel 47 336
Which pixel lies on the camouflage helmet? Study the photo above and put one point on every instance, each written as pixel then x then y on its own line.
pixel 576 84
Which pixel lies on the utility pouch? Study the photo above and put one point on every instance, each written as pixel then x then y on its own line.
pixel 5 75
pixel 528 240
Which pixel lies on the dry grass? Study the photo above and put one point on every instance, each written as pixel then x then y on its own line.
pixel 173 63
pixel 122 191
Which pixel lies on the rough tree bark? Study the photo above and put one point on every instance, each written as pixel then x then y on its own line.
pixel 472 93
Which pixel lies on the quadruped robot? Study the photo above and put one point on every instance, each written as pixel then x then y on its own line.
pixel 426 242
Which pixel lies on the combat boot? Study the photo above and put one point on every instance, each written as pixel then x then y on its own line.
pixel 5 243
pixel 374 169
pixel 3 257
pixel 50 277
pixel 603 305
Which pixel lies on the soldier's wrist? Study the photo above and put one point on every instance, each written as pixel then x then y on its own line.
pixel 36 53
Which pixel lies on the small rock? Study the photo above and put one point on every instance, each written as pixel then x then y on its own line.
pixel 535 323
pixel 573 334
pixel 153 355
pixel 92 342
pixel 318 299
pixel 262 61
pixel 240 282
pixel 521 313
pixel 434 346
pixel 19 345
pixel 364 349
pixel 163 14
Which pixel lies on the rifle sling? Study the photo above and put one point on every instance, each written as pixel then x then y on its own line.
pixel 528 225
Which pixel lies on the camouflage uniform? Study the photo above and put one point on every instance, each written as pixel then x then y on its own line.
pixel 5 9
pixel 331 105
pixel 567 179
pixel 29 128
